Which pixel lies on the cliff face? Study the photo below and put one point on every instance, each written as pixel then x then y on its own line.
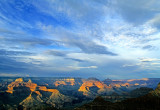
pixel 39 91
pixel 67 81
pixel 156 92
pixel 91 88
pixel 38 95
pixel 91 83
pixel 20 83
pixel 149 101
pixel 19 80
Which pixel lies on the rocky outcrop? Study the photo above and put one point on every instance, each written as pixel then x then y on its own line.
pixel 149 101
pixel 91 88
pixel 43 88
pixel 39 95
pixel 156 92
pixel 67 81
pixel 58 83
pixel 19 83
pixel 39 91
pixel 19 80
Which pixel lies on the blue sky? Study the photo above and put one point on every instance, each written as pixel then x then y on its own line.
pixel 118 39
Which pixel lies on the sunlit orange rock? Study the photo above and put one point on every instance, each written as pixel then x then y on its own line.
pixel 117 85
pixel 37 92
pixel 53 90
pixel 29 81
pixel 19 80
pixel 130 80
pixel 68 81
pixel 10 90
pixel 71 81
pixel 136 84
pixel 43 88
pixel 32 86
pixel 86 84
pixel 57 83
pixel 125 84
pixel 144 79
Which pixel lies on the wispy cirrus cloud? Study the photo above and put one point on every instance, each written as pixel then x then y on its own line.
pixel 54 36
pixel 137 12
pixel 149 59
pixel 6 52
pixel 56 53
pixel 79 67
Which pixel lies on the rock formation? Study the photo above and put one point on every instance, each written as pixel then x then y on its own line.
pixel 38 94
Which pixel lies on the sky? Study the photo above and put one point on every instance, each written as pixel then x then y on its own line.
pixel 117 39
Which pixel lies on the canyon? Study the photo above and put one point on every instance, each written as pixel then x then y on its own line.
pixel 57 93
